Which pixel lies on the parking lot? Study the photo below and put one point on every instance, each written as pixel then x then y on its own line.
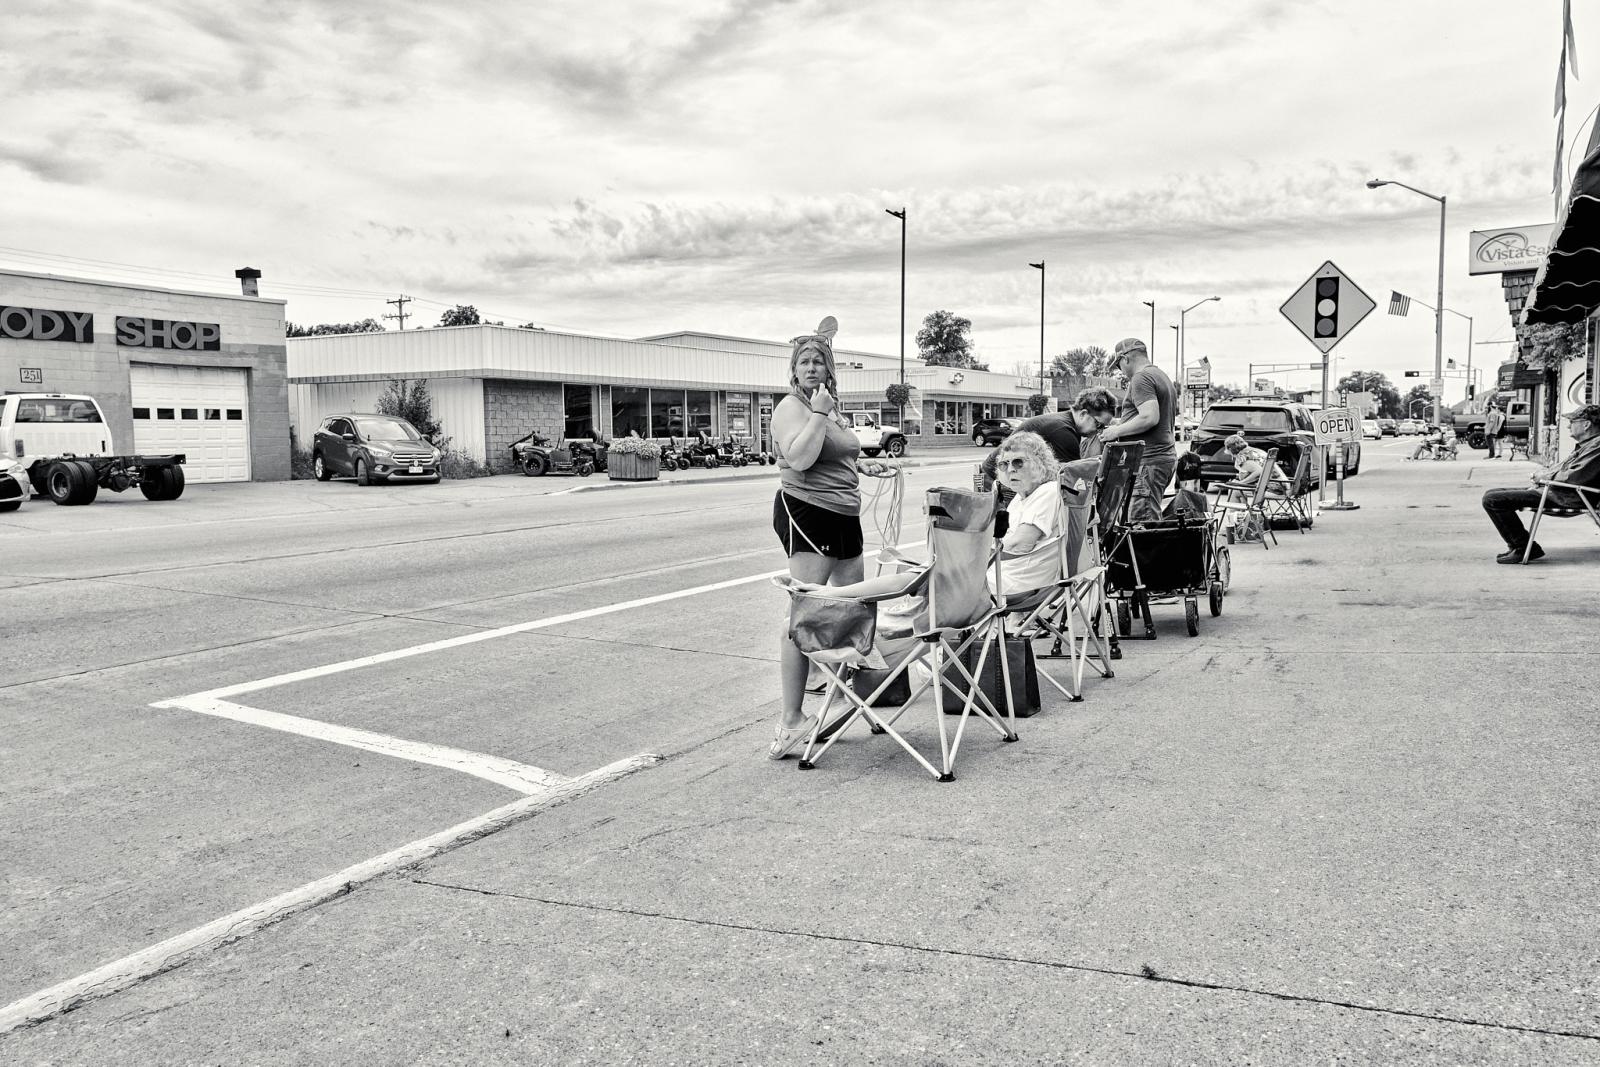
pixel 1339 822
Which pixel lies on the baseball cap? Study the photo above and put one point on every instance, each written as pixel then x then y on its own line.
pixel 1126 347
pixel 1585 411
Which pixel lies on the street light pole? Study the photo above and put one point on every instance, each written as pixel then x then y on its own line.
pixel 1151 304
pixel 1183 336
pixel 1040 267
pixel 1438 312
pixel 901 215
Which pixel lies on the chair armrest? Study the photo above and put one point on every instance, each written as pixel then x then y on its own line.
pixel 1580 489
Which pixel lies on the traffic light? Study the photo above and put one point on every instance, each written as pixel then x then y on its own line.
pixel 1327 310
pixel 1413 374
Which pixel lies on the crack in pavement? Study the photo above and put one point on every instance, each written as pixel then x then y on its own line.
pixel 1144 974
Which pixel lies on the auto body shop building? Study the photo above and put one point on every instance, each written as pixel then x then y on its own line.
pixel 198 373
pixel 491 385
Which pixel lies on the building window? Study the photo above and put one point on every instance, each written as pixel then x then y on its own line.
pixel 579 405
pixel 191 413
pixel 164 413
pixel 739 414
pixel 235 414
pixel 213 414
pixel 630 411
pixel 141 413
pixel 666 413
pixel 699 407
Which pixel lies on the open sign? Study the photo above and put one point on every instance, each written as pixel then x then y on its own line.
pixel 1337 426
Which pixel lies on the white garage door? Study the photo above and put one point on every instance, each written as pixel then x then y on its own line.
pixel 202 412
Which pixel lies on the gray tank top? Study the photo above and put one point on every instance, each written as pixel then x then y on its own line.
pixel 831 482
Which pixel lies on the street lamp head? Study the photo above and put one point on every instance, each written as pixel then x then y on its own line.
pixel 901 214
pixel 1151 304
pixel 1374 183
pixel 1037 266
pixel 1213 298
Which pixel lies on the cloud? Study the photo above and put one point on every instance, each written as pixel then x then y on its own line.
pixel 51 163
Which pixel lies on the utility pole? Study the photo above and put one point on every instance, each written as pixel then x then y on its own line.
pixel 901 215
pixel 400 303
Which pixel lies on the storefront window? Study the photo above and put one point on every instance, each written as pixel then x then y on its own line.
pixel 630 411
pixel 950 416
pixel 666 413
pixel 580 410
pixel 700 411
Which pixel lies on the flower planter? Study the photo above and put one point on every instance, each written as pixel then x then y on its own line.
pixel 628 467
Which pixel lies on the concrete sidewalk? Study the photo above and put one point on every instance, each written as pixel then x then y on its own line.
pixel 1353 821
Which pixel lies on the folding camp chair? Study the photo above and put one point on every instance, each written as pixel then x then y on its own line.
pixel 1112 492
pixel 1249 499
pixel 954 578
pixel 1287 497
pixel 1544 509
pixel 1068 611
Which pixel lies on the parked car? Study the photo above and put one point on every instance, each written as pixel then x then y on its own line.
pixel 15 485
pixel 372 449
pixel 1265 423
pixel 1370 428
pixel 873 438
pixel 988 432
pixel 1390 427
pixel 1408 428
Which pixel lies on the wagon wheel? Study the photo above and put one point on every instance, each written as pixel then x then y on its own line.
pixel 1191 617
pixel 1124 619
pixel 1216 598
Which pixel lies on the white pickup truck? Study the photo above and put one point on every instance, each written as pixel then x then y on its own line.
pixel 873 438
pixel 63 447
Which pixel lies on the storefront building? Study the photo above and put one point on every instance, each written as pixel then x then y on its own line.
pixel 491 385
pixel 198 373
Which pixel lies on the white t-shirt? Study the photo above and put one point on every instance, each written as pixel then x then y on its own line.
pixel 1042 566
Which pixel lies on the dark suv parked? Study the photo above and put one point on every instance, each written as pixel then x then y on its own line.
pixel 1265 424
pixel 992 431
pixel 372 449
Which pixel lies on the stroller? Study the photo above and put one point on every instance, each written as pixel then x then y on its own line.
pixel 1181 557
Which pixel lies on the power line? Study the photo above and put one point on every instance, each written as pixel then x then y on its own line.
pixel 399 303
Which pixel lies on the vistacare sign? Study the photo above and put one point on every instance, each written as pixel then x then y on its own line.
pixel 1508 248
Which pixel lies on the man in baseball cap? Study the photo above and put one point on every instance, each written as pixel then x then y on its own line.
pixel 1581 468
pixel 1146 415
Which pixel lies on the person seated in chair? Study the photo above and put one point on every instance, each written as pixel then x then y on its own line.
pixel 1581 467
pixel 1430 443
pixel 1028 554
pixel 1249 462
pixel 1188 501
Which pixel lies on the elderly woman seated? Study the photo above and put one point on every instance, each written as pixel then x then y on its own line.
pixel 1029 556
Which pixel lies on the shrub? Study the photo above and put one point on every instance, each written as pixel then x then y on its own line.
pixel 1037 403
pixel 410 400
pixel 456 463
pixel 635 446
pixel 898 394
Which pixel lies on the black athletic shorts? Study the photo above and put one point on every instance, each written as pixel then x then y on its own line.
pixel 816 529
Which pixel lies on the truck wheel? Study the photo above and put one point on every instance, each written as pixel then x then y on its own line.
pixel 897 447
pixel 88 482
pixel 362 476
pixel 1477 439
pixel 61 480
pixel 162 483
pixel 319 468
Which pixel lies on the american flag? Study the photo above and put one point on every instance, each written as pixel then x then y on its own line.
pixel 1399 303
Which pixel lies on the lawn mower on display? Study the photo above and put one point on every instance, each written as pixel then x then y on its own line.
pixel 580 456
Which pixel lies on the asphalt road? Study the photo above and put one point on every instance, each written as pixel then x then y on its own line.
pixel 1353 820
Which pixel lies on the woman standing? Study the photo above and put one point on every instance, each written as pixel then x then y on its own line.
pixel 817 512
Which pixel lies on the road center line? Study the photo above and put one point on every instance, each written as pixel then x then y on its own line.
pixel 518 776
pixel 191 945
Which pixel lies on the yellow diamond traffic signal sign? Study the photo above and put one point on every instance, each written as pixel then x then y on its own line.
pixel 1327 307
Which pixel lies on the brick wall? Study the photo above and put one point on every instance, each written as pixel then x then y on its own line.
pixel 511 409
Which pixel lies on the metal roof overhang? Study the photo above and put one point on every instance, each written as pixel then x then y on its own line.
pixel 1567 286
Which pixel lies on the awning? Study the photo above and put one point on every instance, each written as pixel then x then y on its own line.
pixel 1567 287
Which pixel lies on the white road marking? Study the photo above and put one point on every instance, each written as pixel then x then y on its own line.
pixel 518 776
pixel 176 951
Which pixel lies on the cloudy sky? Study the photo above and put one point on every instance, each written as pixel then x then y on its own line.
pixel 625 167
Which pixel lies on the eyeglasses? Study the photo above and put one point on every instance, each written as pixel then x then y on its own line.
pixel 1015 464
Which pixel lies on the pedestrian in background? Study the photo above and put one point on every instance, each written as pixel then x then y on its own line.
pixel 1494 425
pixel 1146 415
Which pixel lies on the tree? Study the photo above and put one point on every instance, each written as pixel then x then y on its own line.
pixel 1080 361
pixel 943 341
pixel 461 315
pixel 1418 392
pixel 1389 406
pixel 1221 392
pixel 1550 346
pixel 291 329
pixel 410 400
